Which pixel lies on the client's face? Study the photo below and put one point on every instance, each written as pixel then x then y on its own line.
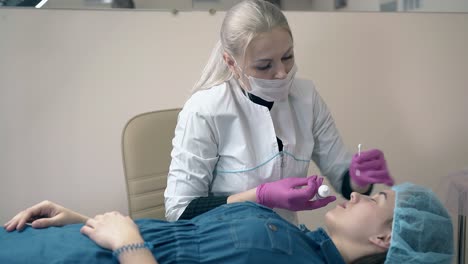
pixel 362 216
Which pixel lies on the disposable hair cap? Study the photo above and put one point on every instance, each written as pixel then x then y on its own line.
pixel 422 231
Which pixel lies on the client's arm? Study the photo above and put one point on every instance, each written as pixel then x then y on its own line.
pixel 115 231
pixel 44 214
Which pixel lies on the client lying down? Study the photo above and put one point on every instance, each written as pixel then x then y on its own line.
pixel 405 224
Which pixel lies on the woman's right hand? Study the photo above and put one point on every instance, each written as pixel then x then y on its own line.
pixel 293 194
pixel 44 214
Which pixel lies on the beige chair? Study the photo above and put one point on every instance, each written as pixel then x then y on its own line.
pixel 146 153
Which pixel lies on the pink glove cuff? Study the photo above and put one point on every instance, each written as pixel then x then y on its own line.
pixel 259 193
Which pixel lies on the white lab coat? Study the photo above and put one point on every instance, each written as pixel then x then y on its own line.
pixel 225 144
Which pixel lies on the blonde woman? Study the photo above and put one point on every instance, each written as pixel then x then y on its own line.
pixel 251 125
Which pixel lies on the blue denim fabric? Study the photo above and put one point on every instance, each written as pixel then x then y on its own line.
pixel 230 234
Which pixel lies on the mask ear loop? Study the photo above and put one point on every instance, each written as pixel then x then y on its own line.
pixel 241 72
pixel 241 76
pixel 245 90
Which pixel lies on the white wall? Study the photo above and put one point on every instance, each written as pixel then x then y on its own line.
pixel 69 80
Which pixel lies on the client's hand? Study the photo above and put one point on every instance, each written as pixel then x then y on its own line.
pixel 292 193
pixel 370 167
pixel 112 230
pixel 44 214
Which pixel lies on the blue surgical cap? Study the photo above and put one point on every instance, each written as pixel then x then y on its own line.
pixel 422 231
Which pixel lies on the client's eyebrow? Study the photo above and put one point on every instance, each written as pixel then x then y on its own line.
pixel 384 194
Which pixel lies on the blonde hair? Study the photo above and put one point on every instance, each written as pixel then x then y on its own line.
pixel 242 23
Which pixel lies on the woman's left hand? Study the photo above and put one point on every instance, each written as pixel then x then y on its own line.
pixel 370 167
pixel 112 230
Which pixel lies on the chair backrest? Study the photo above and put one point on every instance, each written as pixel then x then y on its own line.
pixel 146 153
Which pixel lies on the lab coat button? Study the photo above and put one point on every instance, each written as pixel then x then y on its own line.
pixel 272 227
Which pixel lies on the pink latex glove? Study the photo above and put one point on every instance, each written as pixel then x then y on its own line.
pixel 288 194
pixel 372 168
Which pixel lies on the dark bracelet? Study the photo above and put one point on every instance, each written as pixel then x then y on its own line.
pixel 136 246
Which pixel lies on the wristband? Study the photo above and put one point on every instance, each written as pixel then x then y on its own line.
pixel 136 246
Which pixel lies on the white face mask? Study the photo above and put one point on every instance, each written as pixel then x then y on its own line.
pixel 272 90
